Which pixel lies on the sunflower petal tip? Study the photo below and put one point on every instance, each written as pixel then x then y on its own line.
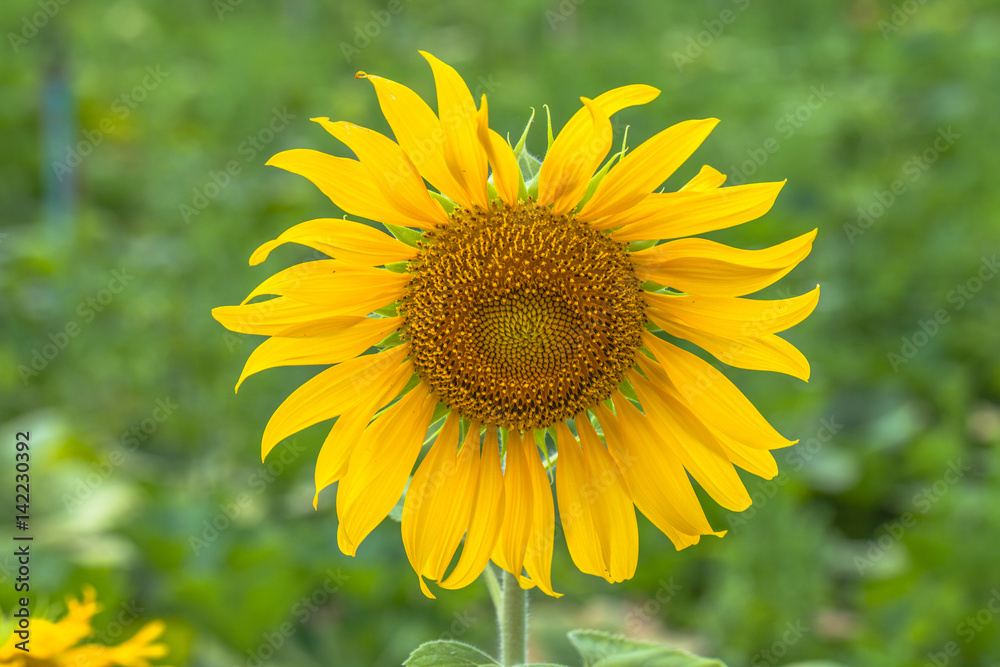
pixel 361 75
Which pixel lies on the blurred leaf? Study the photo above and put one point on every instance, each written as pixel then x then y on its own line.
pixel 601 649
pixel 449 654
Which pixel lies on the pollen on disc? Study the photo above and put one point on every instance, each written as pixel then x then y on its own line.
pixel 521 318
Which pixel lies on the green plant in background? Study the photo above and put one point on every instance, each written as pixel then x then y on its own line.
pixel 874 545
pixel 522 308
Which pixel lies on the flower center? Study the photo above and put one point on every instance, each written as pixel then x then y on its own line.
pixel 521 318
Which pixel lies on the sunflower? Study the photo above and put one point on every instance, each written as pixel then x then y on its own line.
pixel 517 308
pixel 57 643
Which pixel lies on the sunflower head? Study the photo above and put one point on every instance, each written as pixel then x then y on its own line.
pixel 520 320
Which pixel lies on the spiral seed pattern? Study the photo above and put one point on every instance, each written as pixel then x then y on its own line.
pixel 521 318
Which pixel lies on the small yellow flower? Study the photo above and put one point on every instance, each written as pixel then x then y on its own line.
pixel 530 307
pixel 57 644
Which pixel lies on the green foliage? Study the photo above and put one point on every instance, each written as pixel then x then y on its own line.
pixel 868 549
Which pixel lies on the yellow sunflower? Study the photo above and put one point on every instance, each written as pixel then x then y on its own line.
pixel 516 307
pixel 57 643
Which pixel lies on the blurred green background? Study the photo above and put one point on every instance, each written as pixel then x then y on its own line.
pixel 133 187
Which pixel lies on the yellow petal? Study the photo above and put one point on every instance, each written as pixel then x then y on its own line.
pixel 706 179
pixel 594 506
pixel 518 508
pixel 574 157
pixel 347 183
pixel 734 317
pixel 331 393
pixel 688 441
pixel 671 215
pixel 656 481
pixel 745 343
pixel 392 172
pixel 538 555
pixel 345 289
pixel 457 111
pixel 331 465
pixel 758 461
pixel 271 317
pixel 486 518
pixel 436 506
pixel 713 397
pixel 506 178
pixel 707 268
pixel 334 348
pixel 575 512
pixel 614 517
pixel 644 169
pixel 345 240
pixel 420 134
pixel 577 151
pixel 380 465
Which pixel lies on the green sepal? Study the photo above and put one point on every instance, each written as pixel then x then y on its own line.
pixel 388 311
pixel 543 445
pixel 601 649
pixel 392 340
pixel 404 234
pixel 491 190
pixel 446 203
pixel 440 411
pixel 599 176
pixel 525 161
pixel 552 139
pixel 627 391
pixel 636 246
pixel 449 654
pixel 398 267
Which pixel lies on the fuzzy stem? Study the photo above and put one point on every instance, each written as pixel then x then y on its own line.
pixel 513 622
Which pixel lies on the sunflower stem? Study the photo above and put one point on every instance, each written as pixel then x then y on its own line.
pixel 513 622
pixel 493 586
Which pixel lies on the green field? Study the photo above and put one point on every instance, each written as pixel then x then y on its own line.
pixel 134 190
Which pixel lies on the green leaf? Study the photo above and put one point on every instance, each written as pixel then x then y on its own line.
pixel 449 654
pixel 540 664
pixel 601 649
